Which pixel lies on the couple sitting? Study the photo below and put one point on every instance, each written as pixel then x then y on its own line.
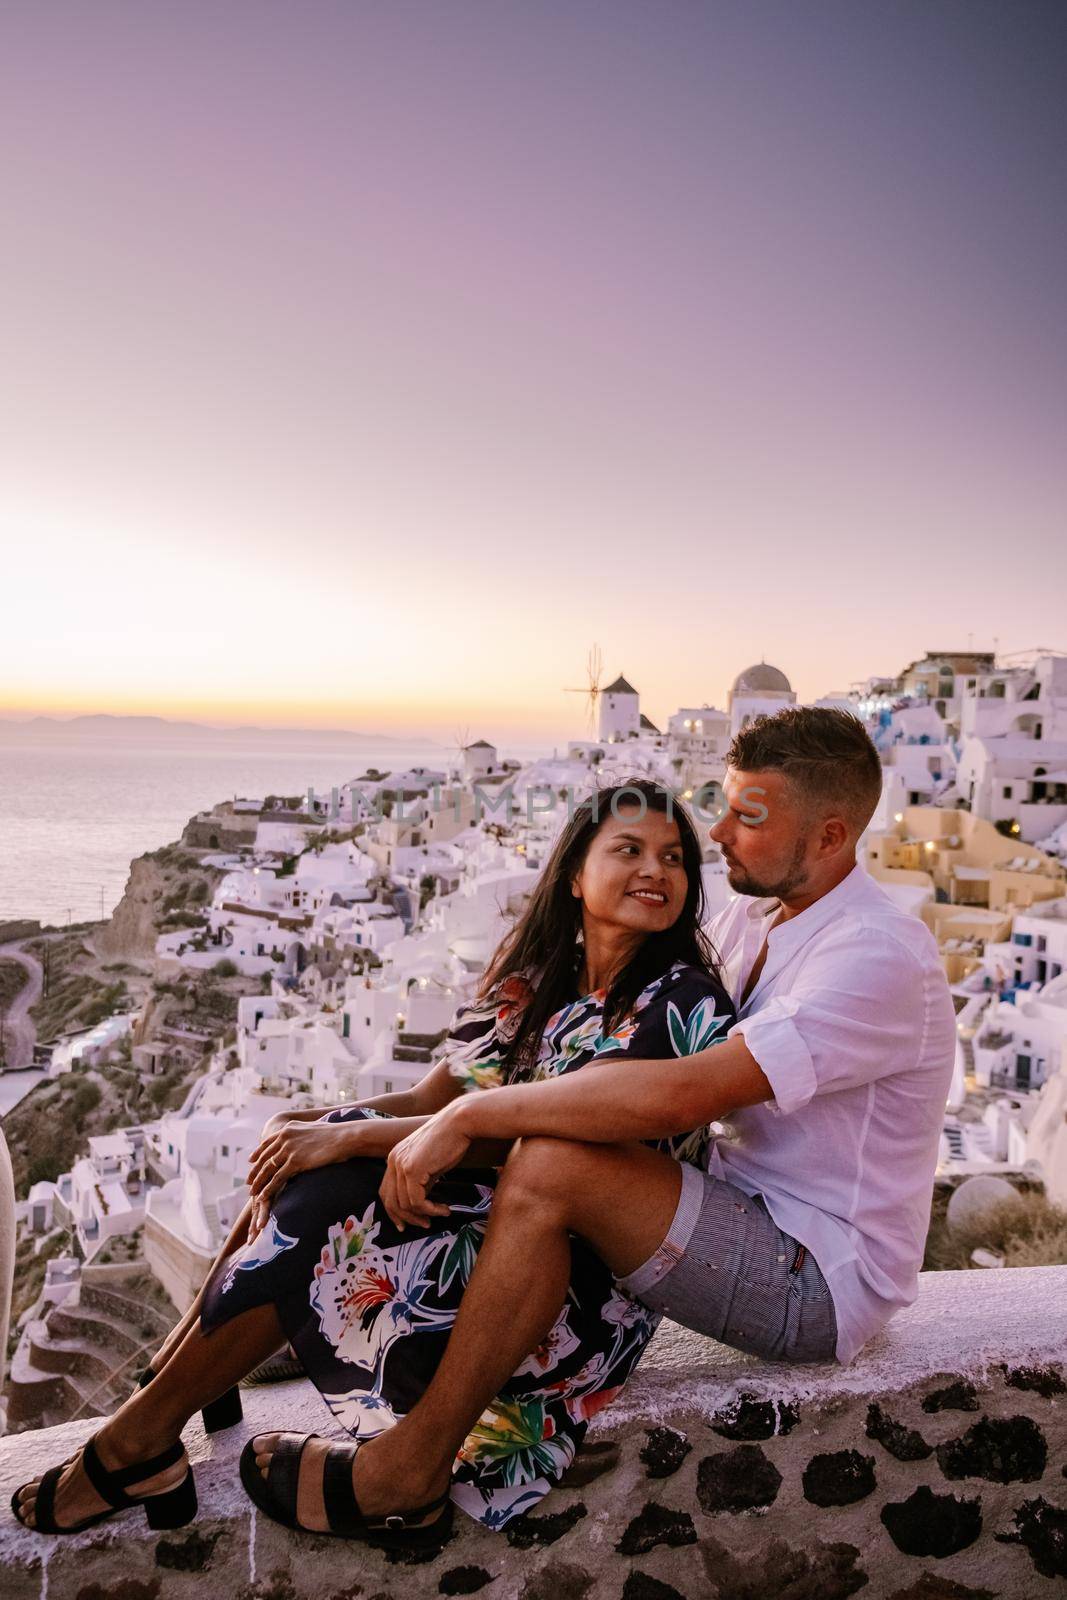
pixel 469 1271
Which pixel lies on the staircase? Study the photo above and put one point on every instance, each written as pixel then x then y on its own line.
pixel 81 1359
pixel 967 1044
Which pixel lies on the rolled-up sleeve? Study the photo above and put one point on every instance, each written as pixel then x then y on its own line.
pixel 851 1016
pixel 776 1041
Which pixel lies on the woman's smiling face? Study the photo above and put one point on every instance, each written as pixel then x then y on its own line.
pixel 633 875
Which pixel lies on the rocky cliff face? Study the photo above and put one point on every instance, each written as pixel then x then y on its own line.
pixel 131 932
pixel 163 888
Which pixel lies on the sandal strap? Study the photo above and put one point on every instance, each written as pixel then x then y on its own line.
pixel 141 1471
pixel 111 1485
pixel 110 1493
pixel 44 1506
pixel 343 1511
pixel 342 1507
pixel 283 1474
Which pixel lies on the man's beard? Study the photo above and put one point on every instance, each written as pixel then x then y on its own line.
pixel 795 878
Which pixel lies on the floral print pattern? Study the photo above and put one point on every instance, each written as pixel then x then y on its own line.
pixel 369 1309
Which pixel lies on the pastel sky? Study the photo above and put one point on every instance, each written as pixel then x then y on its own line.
pixel 363 363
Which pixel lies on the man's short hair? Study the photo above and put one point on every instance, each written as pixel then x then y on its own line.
pixel 826 754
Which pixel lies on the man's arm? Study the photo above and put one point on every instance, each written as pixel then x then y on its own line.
pixel 619 1100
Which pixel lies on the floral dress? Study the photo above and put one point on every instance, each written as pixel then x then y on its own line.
pixel 368 1309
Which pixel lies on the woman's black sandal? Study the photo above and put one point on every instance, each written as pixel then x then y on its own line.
pixel 225 1412
pixel 172 1508
pixel 275 1495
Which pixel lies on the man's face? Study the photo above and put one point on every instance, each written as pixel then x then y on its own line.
pixel 765 836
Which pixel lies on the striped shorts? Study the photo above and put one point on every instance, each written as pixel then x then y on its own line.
pixel 727 1270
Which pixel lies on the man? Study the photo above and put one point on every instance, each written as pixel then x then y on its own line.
pixel 807 1230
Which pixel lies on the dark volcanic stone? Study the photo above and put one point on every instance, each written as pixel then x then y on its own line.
pixel 839 1479
pixel 737 1480
pixel 1002 1449
pixel 929 1524
pixel 931 1587
pixel 1042 1529
pixel 639 1586
pixel 664 1452
pixel 906 1444
pixel 560 1580
pixel 591 1462
pixel 463 1580
pixel 1045 1381
pixel 527 1531
pixel 778 1572
pixel 656 1525
pixel 415 1558
pixel 189 1554
pixel 958 1396
pixel 756 1419
pixel 122 1589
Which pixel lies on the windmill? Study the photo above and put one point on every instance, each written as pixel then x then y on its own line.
pixel 462 737
pixel 594 666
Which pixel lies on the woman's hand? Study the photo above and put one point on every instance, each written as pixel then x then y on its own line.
pixel 290 1148
pixel 414 1165
pixel 273 1125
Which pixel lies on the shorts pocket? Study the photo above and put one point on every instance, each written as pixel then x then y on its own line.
pixel 811 1323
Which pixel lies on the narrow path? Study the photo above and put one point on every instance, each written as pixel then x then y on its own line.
pixel 20 1034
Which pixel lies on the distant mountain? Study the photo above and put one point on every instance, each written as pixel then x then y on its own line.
pixel 103 724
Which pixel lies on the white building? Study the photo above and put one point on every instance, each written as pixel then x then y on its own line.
pixel 93 1046
pixel 201 1153
pixel 1013 756
pixel 300 1055
pixel 1047 1137
pixel 103 1196
pixel 760 690
pixel 479 760
pixel 699 734
pixel 620 712
pixel 915 745
pixel 1021 1045
pixel 1037 950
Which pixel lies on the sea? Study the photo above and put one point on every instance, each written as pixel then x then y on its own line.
pixel 74 813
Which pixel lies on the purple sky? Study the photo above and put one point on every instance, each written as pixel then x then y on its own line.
pixel 364 363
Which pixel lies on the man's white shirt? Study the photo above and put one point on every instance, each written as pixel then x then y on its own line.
pixel 852 1022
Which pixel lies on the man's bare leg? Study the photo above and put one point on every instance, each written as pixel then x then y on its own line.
pixel 620 1198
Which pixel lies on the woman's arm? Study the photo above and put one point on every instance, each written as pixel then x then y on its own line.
pixel 430 1094
pixel 304 1141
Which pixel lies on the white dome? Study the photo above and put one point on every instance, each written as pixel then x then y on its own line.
pixel 762 679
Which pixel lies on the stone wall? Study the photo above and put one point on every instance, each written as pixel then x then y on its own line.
pixel 932 1468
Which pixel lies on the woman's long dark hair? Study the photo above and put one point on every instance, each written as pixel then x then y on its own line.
pixel 545 937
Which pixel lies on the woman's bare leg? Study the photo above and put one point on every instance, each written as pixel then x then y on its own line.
pixel 201 1368
pixel 237 1237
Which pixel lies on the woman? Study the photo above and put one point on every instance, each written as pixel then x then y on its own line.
pixel 608 960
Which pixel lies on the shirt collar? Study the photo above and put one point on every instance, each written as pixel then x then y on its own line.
pixel 816 916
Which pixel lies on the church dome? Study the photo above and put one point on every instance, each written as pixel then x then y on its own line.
pixel 762 679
